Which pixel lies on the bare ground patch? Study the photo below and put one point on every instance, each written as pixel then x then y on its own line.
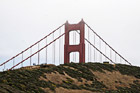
pixel 54 77
pixel 58 78
pixel 63 90
pixel 113 79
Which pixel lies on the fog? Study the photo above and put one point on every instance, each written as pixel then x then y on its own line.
pixel 23 22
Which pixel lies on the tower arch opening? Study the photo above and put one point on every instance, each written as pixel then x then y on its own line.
pixel 74 57
pixel 74 37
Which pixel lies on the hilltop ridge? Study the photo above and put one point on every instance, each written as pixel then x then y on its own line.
pixel 72 78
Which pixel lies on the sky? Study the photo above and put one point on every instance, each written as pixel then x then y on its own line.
pixel 23 22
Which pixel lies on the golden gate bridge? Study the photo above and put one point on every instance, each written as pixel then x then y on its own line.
pixel 68 43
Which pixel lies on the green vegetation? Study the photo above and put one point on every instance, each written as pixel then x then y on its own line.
pixel 129 70
pixel 27 81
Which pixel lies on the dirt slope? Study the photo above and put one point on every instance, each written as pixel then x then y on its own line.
pixel 72 78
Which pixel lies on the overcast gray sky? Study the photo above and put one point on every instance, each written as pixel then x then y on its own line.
pixel 22 22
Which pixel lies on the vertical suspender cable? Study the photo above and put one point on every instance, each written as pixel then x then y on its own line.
pixel 22 60
pixel 115 57
pixel 88 47
pixel 94 49
pixel 75 43
pixel 108 44
pixel 110 54
pixel 13 61
pixel 30 57
pixel 46 52
pixel 105 52
pixel 100 50
pixel 38 55
pixel 53 50
pixel 59 47
pixel 62 40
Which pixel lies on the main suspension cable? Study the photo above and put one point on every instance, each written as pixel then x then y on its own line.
pixel 107 44
pixel 98 50
pixel 32 45
pixel 37 51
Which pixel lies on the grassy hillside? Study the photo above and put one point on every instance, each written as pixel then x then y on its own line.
pixel 72 78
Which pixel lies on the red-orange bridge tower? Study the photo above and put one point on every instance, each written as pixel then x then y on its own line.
pixel 74 48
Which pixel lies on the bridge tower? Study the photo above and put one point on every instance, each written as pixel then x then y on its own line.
pixel 74 48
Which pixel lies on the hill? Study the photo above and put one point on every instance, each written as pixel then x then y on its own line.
pixel 72 78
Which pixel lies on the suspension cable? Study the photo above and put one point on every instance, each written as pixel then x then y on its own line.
pixel 38 54
pixel 46 52
pixel 115 58
pixel 22 60
pixel 37 51
pixel 88 48
pixel 53 50
pixel 94 49
pixel 110 54
pixel 98 50
pixel 13 61
pixel 32 45
pixel 107 44
pixel 105 50
pixel 62 59
pixel 59 47
pixel 30 57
